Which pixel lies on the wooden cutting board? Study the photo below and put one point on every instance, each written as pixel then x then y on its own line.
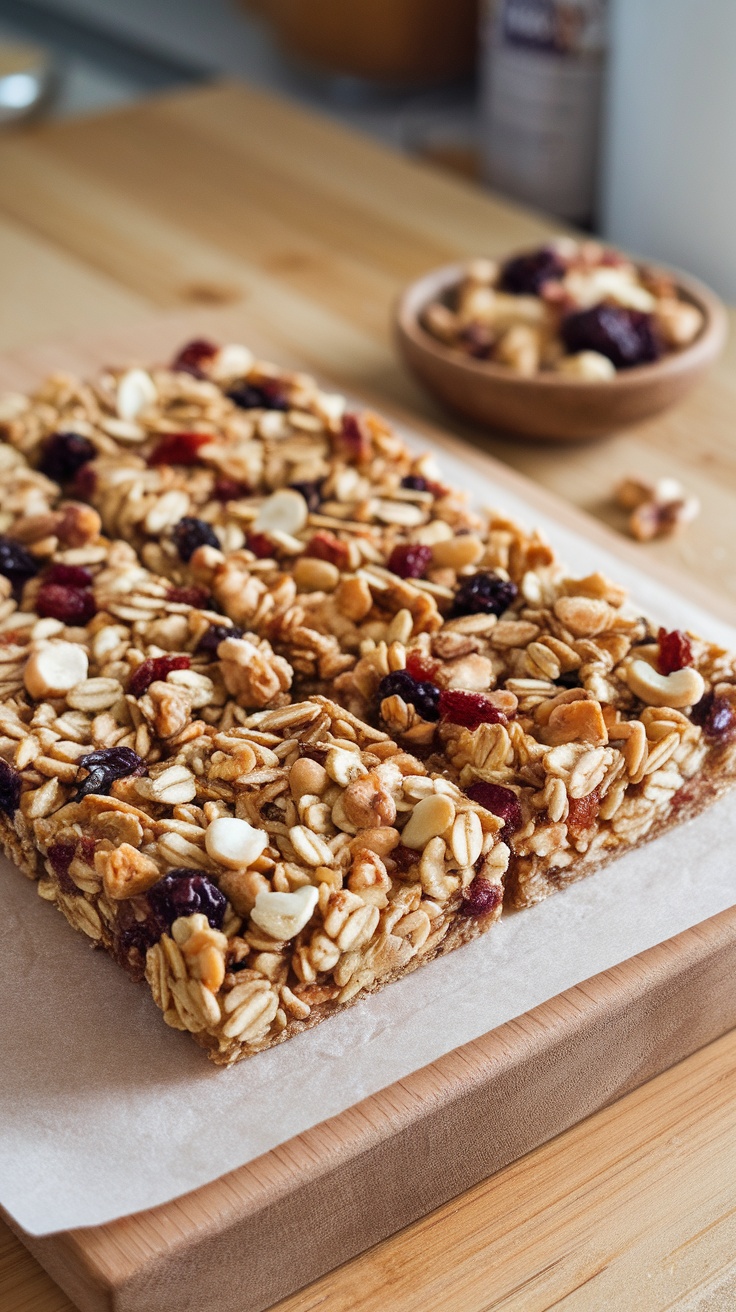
pixel 268 1228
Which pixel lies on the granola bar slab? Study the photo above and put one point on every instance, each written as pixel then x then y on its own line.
pixel 266 876
pixel 541 704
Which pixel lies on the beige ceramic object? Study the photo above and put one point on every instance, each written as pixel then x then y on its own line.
pixel 552 406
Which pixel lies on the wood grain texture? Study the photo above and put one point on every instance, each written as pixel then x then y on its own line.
pixel 226 196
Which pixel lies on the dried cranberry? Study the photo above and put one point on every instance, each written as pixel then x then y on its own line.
pixel 228 489
pixel 500 801
pixel 470 709
pixel 421 668
pixel 85 482
pixel 156 667
pixel 627 337
pixel 325 546
pixel 16 563
pixel 404 857
pixel 70 576
pixel 424 697
pixel 70 605
pixel 184 892
pixel 105 766
pixel 192 356
pixel 716 716
pixel 215 634
pixel 86 849
pixel 193 596
pixel 527 274
pixel 179 449
pixel 60 857
pixel 415 482
pixel 675 651
pixel 478 340
pixel 9 788
pixel 582 812
pixel 409 560
pixel 480 898
pixel 133 940
pixel 63 455
pixel 354 436
pixel 261 545
pixel 266 395
pixel 312 493
pixel 191 533
pixel 483 594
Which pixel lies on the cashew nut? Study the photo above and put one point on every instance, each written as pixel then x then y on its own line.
pixel 681 688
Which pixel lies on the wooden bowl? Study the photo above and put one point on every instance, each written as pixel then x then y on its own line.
pixel 551 405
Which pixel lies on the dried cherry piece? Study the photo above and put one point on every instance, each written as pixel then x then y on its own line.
pixel 9 788
pixel 478 340
pixel 16 563
pixel 184 892
pixel 137 937
pixel 415 482
pixel 500 801
pixel 325 546
pixel 70 605
pixel 354 437
pixel 267 395
pixel 71 576
pixel 156 667
pixel 409 560
pixel 64 454
pixel 192 356
pixel 582 812
pixel 229 489
pixel 179 449
pixel 470 709
pixel 261 545
pixel 85 482
pixel 424 697
pixel 60 857
pixel 215 634
pixel 480 898
pixel 404 857
pixel 483 594
pixel 195 596
pixel 675 651
pixel 191 533
pixel 421 668
pixel 525 275
pixel 627 337
pixel 716 716
pixel 105 766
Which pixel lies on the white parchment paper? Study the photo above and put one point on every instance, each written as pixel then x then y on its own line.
pixel 104 1111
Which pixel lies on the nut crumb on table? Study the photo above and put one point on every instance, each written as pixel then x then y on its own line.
pixel 282 717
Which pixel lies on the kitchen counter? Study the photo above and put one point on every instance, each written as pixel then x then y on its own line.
pixel 226 196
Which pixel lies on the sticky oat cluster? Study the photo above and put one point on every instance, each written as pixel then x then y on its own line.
pixel 281 718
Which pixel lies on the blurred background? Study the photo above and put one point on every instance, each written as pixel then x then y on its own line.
pixel 612 114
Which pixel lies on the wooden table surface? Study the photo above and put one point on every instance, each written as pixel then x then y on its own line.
pixel 224 196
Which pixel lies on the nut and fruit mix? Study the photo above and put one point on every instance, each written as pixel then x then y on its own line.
pixel 572 307
pixel 282 718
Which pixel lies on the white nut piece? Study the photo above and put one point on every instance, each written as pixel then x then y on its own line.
pixel 284 512
pixel 136 390
pixel 430 818
pixel 234 843
pixel 231 362
pixel 681 688
pixel 54 670
pixel 283 915
pixel 590 366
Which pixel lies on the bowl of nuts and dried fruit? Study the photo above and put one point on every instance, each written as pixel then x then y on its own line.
pixel 569 341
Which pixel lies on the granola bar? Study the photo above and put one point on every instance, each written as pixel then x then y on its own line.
pixel 326 564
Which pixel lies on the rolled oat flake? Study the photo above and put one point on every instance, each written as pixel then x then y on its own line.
pixel 541 90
